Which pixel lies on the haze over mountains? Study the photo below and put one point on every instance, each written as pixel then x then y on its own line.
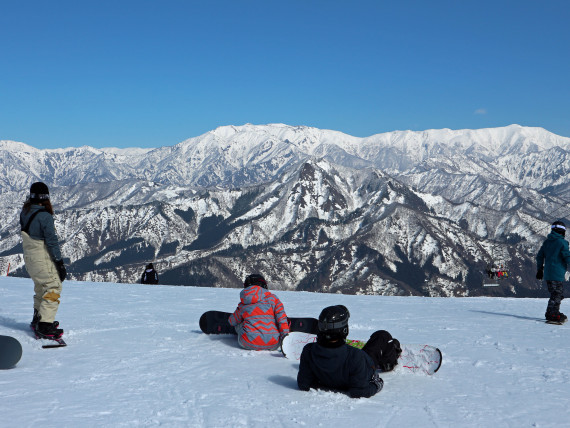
pixel 397 213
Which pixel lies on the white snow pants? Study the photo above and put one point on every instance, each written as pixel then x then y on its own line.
pixel 47 286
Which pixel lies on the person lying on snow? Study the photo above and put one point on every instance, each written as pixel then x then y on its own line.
pixel 260 319
pixel 330 363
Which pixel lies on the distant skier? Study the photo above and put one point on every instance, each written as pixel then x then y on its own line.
pixel 149 276
pixel 332 364
pixel 43 260
pixel 552 262
pixel 260 319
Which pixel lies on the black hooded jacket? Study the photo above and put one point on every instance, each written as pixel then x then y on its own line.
pixel 149 276
pixel 342 368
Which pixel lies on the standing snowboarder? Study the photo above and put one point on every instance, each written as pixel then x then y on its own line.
pixel 260 319
pixel 552 262
pixel 331 363
pixel 43 260
pixel 149 276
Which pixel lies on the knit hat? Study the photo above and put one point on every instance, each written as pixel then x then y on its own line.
pixel 255 279
pixel 39 192
pixel 559 227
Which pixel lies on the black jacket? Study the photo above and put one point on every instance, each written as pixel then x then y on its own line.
pixel 149 277
pixel 344 368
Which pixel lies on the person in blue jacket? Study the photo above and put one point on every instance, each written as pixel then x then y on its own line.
pixel 552 262
pixel 330 363
pixel 43 259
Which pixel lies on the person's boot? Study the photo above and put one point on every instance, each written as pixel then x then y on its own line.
pixel 48 330
pixel 557 317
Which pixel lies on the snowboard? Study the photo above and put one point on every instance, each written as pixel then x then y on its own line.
pixel 216 322
pixel 556 322
pixel 10 352
pixel 53 343
pixel 415 358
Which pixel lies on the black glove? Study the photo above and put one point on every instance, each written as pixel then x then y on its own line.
pixel 377 380
pixel 61 270
pixel 539 274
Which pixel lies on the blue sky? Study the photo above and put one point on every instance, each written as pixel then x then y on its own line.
pixel 144 73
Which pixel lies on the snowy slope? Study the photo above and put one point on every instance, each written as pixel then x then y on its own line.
pixel 136 357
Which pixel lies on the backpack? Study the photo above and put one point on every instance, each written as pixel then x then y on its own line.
pixel 383 349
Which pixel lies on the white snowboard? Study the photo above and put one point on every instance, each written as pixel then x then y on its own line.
pixel 415 358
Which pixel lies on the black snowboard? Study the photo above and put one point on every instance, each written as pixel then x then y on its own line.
pixel 10 352
pixel 216 322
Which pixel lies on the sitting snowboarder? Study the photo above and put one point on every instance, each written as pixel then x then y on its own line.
pixel 149 276
pixel 332 364
pixel 260 319
pixel 552 263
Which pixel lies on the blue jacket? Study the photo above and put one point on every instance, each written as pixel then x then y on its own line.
pixel 554 256
pixel 42 228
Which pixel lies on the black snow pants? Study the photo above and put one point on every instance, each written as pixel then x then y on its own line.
pixel 556 289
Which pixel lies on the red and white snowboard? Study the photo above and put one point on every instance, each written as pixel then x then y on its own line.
pixel 415 358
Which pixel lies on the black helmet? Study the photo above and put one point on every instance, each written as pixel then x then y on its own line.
pixel 333 322
pixel 39 192
pixel 255 279
pixel 559 227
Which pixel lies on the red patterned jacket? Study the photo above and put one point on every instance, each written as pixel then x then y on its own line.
pixel 261 318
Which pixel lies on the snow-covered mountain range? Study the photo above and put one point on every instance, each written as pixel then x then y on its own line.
pixel 395 213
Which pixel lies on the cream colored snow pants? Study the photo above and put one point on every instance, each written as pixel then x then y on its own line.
pixel 47 286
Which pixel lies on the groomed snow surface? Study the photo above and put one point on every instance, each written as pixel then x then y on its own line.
pixel 136 357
